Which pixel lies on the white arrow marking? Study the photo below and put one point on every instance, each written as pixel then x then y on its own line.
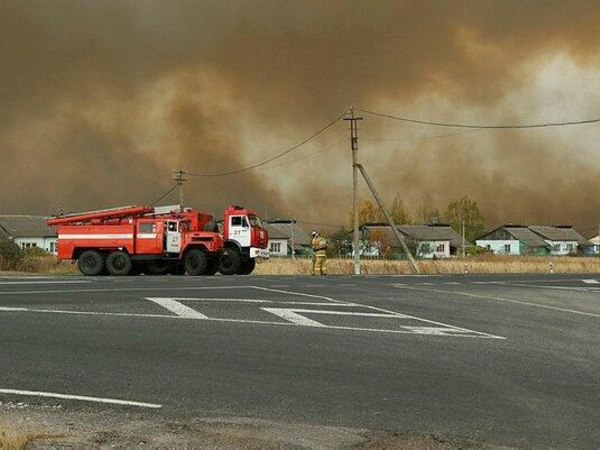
pixel 292 316
pixel 178 308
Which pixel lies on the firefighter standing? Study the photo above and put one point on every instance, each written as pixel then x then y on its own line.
pixel 319 245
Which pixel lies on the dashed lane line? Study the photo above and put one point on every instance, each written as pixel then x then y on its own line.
pixel 83 398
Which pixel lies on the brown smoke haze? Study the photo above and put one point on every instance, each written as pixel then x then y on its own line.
pixel 100 101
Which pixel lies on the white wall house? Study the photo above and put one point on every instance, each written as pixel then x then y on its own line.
pixel 281 234
pixel 439 248
pixel 514 239
pixel 430 241
pixel 29 232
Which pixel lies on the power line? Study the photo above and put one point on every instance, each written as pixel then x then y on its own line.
pixel 273 158
pixel 479 127
pixel 165 194
pixel 420 138
pixel 321 224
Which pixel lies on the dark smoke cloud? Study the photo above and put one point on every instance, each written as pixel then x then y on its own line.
pixel 99 101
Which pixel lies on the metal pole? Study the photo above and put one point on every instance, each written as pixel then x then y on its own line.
pixel 180 177
pixel 390 220
pixel 292 237
pixel 354 146
pixel 463 238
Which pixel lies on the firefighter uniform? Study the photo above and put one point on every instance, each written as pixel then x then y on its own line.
pixel 319 246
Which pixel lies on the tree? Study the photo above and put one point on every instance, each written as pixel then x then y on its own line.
pixel 368 212
pixel 339 243
pixel 10 255
pixel 466 209
pixel 431 215
pixel 398 211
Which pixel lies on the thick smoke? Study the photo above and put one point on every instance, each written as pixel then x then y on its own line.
pixel 101 100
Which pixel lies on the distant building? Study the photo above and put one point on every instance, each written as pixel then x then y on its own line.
pixel 281 234
pixel 427 241
pixel 595 249
pixel 29 232
pixel 512 239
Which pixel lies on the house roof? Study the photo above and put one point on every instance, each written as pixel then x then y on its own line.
pixel 437 232
pixel 526 236
pixel 559 233
pixel 283 230
pixel 25 227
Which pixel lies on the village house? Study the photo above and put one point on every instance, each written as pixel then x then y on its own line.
pixel 29 232
pixel 281 234
pixel 513 239
pixel 427 241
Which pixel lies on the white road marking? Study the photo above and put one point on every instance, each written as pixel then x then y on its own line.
pixel 79 397
pixel 184 312
pixel 254 300
pixel 291 316
pixel 447 330
pixel 341 313
pixel 591 281
pixel 41 282
pixel 178 308
pixel 302 294
pixel 507 300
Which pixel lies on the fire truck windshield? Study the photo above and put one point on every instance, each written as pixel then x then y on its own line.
pixel 254 221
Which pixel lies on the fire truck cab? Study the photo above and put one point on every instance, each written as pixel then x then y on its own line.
pixel 245 240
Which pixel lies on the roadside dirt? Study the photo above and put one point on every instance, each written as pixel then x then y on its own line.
pixel 54 427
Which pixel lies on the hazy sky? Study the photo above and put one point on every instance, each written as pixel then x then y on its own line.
pixel 100 101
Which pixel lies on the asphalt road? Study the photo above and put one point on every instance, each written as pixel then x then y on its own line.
pixel 510 360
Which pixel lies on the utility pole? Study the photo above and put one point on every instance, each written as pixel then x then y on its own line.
pixel 463 237
pixel 292 223
pixel 355 167
pixel 180 177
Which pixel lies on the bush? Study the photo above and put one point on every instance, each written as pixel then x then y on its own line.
pixel 11 255
pixel 33 252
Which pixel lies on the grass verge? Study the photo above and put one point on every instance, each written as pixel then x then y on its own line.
pixel 47 265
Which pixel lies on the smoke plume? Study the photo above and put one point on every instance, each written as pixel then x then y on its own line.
pixel 100 101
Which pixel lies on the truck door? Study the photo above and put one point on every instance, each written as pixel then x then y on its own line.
pixel 239 230
pixel 173 237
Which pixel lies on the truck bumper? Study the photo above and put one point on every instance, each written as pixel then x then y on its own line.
pixel 259 253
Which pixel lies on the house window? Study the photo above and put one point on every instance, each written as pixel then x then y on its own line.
pixel 275 247
pixel 441 248
pixel 556 247
pixel 52 247
pixel 506 248
pixel 570 247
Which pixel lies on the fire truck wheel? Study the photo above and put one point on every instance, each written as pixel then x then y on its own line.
pixel 231 261
pixel 195 262
pixel 118 263
pixel 90 263
pixel 247 267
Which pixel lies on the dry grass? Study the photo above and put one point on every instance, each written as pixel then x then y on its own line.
pixel 13 440
pixel 47 265
pixel 477 265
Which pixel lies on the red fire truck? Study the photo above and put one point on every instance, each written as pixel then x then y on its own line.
pixel 161 240
pixel 135 239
